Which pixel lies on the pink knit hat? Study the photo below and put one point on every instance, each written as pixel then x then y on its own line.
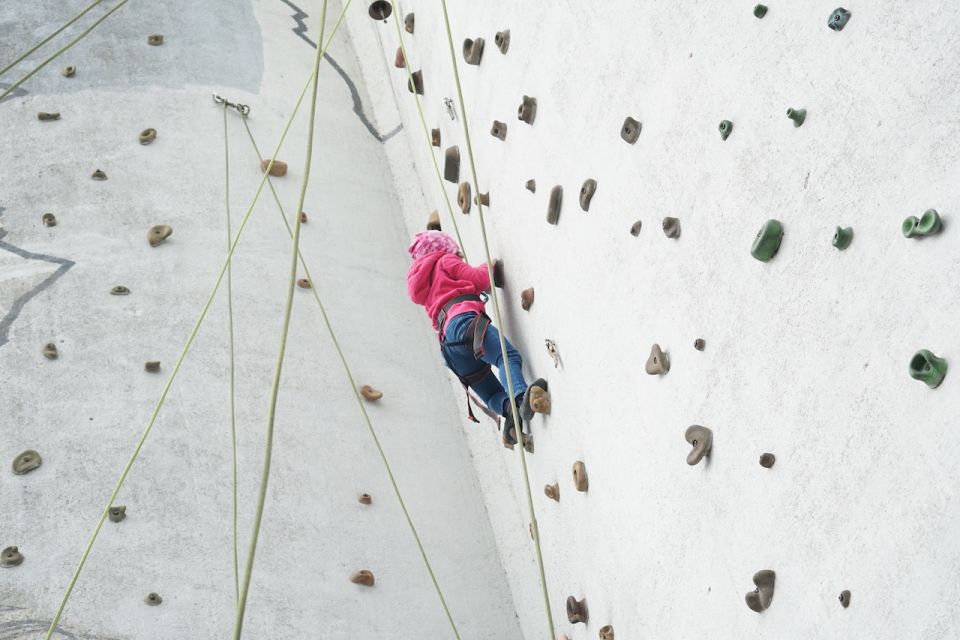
pixel 429 241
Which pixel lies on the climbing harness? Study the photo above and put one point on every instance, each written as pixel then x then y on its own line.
pixel 242 109
pixel 473 337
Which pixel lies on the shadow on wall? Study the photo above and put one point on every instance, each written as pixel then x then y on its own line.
pixel 18 624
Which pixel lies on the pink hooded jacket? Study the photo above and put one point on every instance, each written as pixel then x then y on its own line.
pixel 436 278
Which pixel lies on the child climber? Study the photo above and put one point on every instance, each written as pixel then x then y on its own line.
pixel 450 289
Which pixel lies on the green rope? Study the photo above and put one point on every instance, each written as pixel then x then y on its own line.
pixel 59 51
pixel 48 38
pixel 284 332
pixel 426 133
pixel 360 402
pixel 496 309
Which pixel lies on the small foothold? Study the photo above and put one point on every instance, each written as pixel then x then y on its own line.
pixel 797 115
pixel 435 137
pixel 586 193
pixel 380 10
pixel 46 117
pixel 526 299
pixel 759 11
pixel 635 228
pixel 98 175
pixel 482 199
pixel 838 19
pixel 451 165
pixel 304 283
pixel 49 220
pixel 767 242
pixel 463 197
pixel 398 60
pixel 370 394
pixel 69 71
pixel 498 273
pixel 117 513
pixel 408 23
pixel 433 222
pixel 759 600
pixel 499 130
pixel 606 632
pixel 552 491
pixel 363 577
pixel 155 39
pixel 845 598
pixel 158 233
pixel 153 599
pixel 148 135
pixel 577 610
pixel 553 207
pixel 473 50
pixel 726 127
pixel 580 481
pixel 928 368
pixel 531 186
pixel 699 344
pixel 304 218
pixel 658 363
pixel 50 351
pixel 364 498
pixel 701 439
pixel 10 557
pixel 120 290
pixel 415 83
pixel 671 227
pixel 153 366
pixel 26 462
pixel 527 111
pixel 767 460
pixel 926 225
pixel 502 40
pixel 630 130
pixel 842 237
pixel 277 170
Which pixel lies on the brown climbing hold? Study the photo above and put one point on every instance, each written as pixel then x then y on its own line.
pixel 499 130
pixel 759 599
pixel 586 193
pixel 370 394
pixel 630 130
pixel 363 577
pixel 527 111
pixel 473 51
pixel 364 498
pixel 69 71
pixel 658 363
pixel 117 512
pixel 606 632
pixel 553 207
pixel 531 186
pixel 580 476
pixel 50 351
pixel 701 439
pixel 635 228
pixel 526 298
pixel 120 290
pixel 451 164
pixel 482 198
pixel 463 197
pixel 408 21
pixel 158 233
pixel 304 218
pixel 277 170
pixel 845 598
pixel 699 344
pixel 435 137
pixel 577 610
pixel 98 175
pixel 415 83
pixel 26 462
pixel 552 491
pixel 767 460
pixel 155 39
pixel 433 222
pixel 148 135
pixel 502 40
pixel 153 599
pixel 398 60
pixel 498 274
pixel 153 366
pixel 539 398
pixel 671 227
pixel 49 220
pixel 303 283
pixel 44 116
pixel 10 557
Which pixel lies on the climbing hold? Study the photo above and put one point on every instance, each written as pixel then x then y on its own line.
pixel 630 130
pixel 398 60
pixel 658 363
pixel 498 274
pixel 527 111
pixel 699 344
pixel 26 462
pixel 451 165
pixel 158 233
pixel 553 207
pixel 926 225
pixel 767 242
pixel 526 299
pixel 50 351
pixel 842 237
pixel 69 71
pixel 759 600
pixel 797 115
pixel 473 50
pixel 463 197
pixel 552 491
pixel 553 351
pixel 838 19
pixel 635 228
pixel 759 11
pixel 98 175
pixel 433 222
pixel 304 283
pixel 304 218
pixel 502 40
pixel 364 498
pixel 435 137
pixel 482 198
pixel 845 598
pixel 606 632
pixel 46 117
pixel 537 399
pixel 117 512
pixel 577 610
pixel 370 394
pixel 380 10
pixel 363 577
pixel 531 186
pixel 726 127
pixel 49 220
pixel 147 136
pixel 408 23
pixel 10 557
pixel 120 290
pixel 767 460
pixel 276 170
pixel 153 599
pixel 586 193
pixel 153 366
pixel 928 368
pixel 499 130
pixel 701 438
pixel 580 481
pixel 155 39
pixel 671 227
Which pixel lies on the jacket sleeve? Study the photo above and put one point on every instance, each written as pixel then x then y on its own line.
pixel 478 276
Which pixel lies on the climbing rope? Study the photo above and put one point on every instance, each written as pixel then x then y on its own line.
pixel 59 51
pixel 496 309
pixel 360 402
pixel 49 37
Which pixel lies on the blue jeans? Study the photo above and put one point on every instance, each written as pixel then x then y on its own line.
pixel 460 360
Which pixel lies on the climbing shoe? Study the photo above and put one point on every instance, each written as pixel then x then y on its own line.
pixel 536 399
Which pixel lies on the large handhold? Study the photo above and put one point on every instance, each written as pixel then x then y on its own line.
pixel 451 164
pixel 580 480
pixel 671 227
pixel 701 439
pixel 553 206
pixel 838 19
pixel 11 557
pixel 527 111
pixel 630 130
pixel 380 10
pixel 759 599
pixel 363 577
pixel 433 222
pixel 463 197
pixel 928 368
pixel 26 462
pixel 577 610
pixel 767 242
pixel 586 193
pixel 415 83
pixel 473 51
pixel 502 40
pixel 926 225
pixel 657 362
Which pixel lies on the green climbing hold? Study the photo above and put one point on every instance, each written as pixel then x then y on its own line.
pixel 928 368
pixel 838 19
pixel 842 237
pixel 926 225
pixel 760 10
pixel 725 128
pixel 767 242
pixel 797 115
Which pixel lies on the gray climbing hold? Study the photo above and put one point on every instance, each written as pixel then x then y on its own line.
pixel 499 130
pixel 463 197
pixel 580 480
pixel 120 290
pixel 767 460
pixel 26 462
pixel 586 193
pixel 49 220
pixel 759 600
pixel 363 577
pixel 526 299
pixel 155 39
pixel 69 71
pixel 408 23
pixel 759 11
pixel 117 512
pixel 380 10
pixel 435 137
pixel 502 40
pixel 415 83
pixel 158 233
pixel 153 366
pixel 153 599
pixel 498 273
pixel 451 165
pixel 701 439
pixel 473 51
pixel 577 610
pixel 635 228
pixel 98 175
pixel 11 557
pixel 726 127
pixel 552 491
pixel 50 351
pixel 671 227
pixel 797 115
pixel 527 111
pixel 838 19
pixel 845 598
pixel 553 206
pixel 44 116
pixel 630 130
pixel 699 344
pixel 531 186
pixel 148 135
pixel 657 363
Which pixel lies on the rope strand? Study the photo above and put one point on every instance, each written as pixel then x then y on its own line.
pixel 48 38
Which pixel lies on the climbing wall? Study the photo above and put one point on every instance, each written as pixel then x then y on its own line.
pixel 808 338
pixel 84 411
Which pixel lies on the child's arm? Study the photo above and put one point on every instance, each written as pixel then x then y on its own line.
pixel 476 275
